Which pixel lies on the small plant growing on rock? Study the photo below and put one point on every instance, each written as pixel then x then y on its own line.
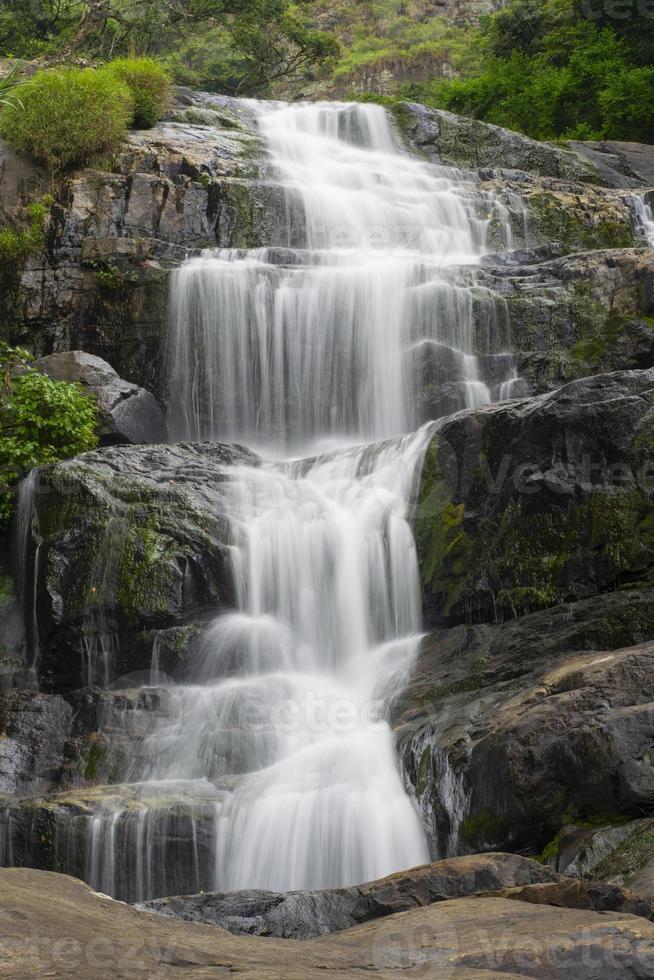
pixel 111 278
pixel 63 117
pixel 41 421
pixel 149 84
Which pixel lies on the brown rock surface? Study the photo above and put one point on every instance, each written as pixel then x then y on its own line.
pixel 54 926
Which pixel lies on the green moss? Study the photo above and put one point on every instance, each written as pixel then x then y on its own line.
pixel 558 222
pixel 443 545
pixel 481 829
pixel 144 577
pixel 111 278
pixel 527 555
pixel 552 850
pixel 95 758
pixel 6 587
pixel 19 241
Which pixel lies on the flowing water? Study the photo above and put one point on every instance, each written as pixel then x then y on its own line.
pixel 318 355
pixel 644 214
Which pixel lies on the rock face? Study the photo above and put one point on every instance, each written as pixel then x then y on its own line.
pixel 465 939
pixel 510 751
pixel 576 315
pixel 538 501
pixel 127 413
pixel 462 142
pixel 112 237
pixel 508 732
pixel 621 855
pixel 302 915
pixel 619 164
pixel 124 541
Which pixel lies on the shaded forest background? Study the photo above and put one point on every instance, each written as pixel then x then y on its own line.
pixel 579 69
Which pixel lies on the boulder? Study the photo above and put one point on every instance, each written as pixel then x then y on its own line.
pixel 464 939
pixel 621 855
pixel 302 915
pixel 127 413
pixel 508 732
pixel 125 541
pixel 619 163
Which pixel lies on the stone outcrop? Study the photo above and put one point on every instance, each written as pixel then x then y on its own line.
pixel 302 915
pixel 621 854
pixel 575 315
pixel 460 141
pixel 619 164
pixel 533 502
pixel 126 540
pixel 465 939
pixel 112 235
pixel 126 413
pixel 502 750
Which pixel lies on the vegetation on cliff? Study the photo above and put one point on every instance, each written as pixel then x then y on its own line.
pixel 41 421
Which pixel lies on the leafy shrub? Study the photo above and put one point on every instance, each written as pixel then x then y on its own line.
pixel 149 84
pixel 65 116
pixel 41 421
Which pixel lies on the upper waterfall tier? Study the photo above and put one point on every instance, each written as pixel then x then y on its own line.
pixel 334 333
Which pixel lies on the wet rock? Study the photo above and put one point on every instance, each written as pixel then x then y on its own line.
pixel 13 670
pixel 621 855
pixel 464 142
pixel 126 540
pixel 465 939
pixel 538 501
pixel 503 735
pixel 302 915
pixel 132 842
pixel 33 731
pixel 127 413
pixel 576 315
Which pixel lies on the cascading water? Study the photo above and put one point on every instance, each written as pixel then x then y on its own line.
pixel 279 737
pixel 283 346
pixel 644 218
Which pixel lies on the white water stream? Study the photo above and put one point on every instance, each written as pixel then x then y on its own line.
pixel 292 350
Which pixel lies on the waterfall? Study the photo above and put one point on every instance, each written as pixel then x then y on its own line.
pixel 644 218
pixel 283 346
pixel 273 764
pixel 293 350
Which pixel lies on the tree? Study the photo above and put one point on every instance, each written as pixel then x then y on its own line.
pixel 272 39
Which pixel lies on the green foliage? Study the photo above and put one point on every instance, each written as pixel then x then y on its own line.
pixel 66 116
pixel 111 278
pixel 549 71
pixel 7 84
pixel 149 84
pixel 240 45
pixel 17 244
pixel 41 421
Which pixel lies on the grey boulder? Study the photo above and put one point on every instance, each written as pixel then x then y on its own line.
pixel 127 413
